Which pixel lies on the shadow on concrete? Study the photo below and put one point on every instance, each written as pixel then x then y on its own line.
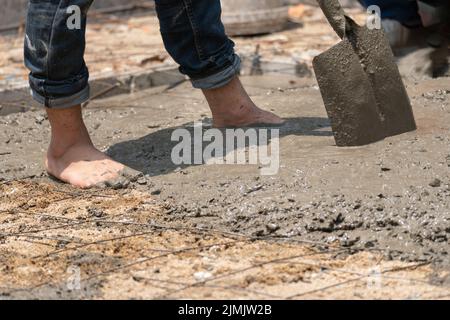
pixel 151 154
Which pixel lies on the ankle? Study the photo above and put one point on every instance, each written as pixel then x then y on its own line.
pixel 68 131
pixel 58 148
pixel 238 109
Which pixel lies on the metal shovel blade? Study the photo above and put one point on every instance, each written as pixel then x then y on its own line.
pixel 361 86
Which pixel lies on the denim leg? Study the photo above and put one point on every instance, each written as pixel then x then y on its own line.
pixel 194 36
pixel 54 52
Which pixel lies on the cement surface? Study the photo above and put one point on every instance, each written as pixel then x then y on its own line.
pixel 103 244
pixel 393 196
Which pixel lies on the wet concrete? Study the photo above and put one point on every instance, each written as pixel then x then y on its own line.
pixel 90 244
pixel 391 196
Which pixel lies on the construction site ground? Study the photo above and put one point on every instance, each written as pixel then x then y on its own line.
pixel 368 222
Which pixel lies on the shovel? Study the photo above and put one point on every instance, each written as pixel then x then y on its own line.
pixel 360 84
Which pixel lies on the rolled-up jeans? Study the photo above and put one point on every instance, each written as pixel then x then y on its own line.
pixel 192 33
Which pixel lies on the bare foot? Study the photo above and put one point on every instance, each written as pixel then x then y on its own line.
pixel 84 166
pixel 72 158
pixel 232 107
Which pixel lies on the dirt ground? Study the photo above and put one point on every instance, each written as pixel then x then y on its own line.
pixel 115 246
pixel 357 223
pixel 387 202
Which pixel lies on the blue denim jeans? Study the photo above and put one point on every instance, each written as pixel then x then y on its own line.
pixel 192 32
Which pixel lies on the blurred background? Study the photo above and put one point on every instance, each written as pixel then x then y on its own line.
pixel 13 11
pixel 271 36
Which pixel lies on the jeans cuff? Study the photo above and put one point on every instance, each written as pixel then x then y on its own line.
pixel 219 79
pixel 65 102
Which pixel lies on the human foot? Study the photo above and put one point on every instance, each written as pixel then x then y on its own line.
pixel 84 166
pixel 232 107
pixel 72 158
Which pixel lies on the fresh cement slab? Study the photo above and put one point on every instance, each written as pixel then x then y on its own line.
pixel 392 196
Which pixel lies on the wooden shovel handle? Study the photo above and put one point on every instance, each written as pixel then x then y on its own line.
pixel 335 15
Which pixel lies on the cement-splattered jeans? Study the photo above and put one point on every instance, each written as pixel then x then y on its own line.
pixel 192 32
